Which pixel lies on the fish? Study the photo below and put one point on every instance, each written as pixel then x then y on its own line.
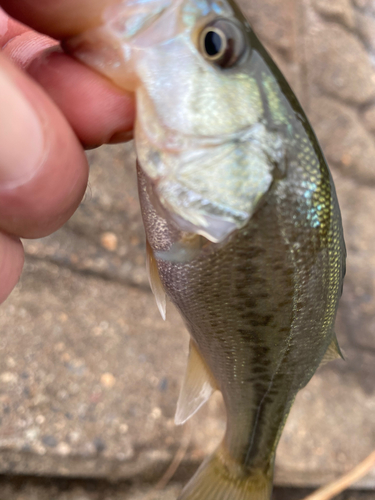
pixel 243 226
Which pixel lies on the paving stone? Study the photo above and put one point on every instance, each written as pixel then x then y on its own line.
pixel 365 25
pixel 341 10
pixel 52 489
pixel 346 142
pixel 369 116
pixel 81 391
pixel 338 62
pixel 276 24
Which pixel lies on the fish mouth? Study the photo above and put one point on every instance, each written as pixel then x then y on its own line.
pixel 126 28
pixel 137 21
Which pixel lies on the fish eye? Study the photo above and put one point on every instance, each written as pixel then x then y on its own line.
pixel 223 43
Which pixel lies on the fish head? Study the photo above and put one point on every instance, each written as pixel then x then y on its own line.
pixel 203 135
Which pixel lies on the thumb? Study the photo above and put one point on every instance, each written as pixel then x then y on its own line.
pixel 43 169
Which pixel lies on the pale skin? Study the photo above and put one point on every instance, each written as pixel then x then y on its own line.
pixel 51 108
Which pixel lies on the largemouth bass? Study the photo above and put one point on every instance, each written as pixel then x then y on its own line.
pixel 243 225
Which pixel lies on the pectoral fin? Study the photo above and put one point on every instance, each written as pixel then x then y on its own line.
pixel 197 386
pixel 185 250
pixel 333 352
pixel 155 282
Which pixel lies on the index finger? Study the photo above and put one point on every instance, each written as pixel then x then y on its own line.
pixel 57 18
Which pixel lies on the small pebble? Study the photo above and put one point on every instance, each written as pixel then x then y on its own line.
pixel 134 241
pixel 32 434
pixel 49 441
pixel 109 241
pixel 40 419
pixel 65 357
pixel 99 444
pixel 63 449
pixel 63 317
pixel 156 413
pixel 107 380
pixel 8 378
pixel 74 437
pixel 11 363
pixel 124 428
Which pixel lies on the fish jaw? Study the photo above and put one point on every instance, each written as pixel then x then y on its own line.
pixel 126 29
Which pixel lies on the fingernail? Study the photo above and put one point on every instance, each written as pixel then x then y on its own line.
pixel 22 145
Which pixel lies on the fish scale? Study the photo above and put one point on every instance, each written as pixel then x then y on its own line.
pixel 235 275
pixel 227 296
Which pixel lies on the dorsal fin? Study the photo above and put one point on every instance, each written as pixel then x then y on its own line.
pixel 333 352
pixel 197 387
pixel 155 281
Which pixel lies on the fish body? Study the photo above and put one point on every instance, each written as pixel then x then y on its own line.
pixel 241 216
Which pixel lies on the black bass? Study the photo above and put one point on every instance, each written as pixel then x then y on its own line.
pixel 243 226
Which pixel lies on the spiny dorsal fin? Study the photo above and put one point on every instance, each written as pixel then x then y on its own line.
pixel 155 281
pixel 197 386
pixel 333 352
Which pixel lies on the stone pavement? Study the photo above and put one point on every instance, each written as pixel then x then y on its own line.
pixel 44 489
pixel 89 372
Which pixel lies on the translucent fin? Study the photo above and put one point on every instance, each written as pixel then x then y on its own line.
pixel 155 282
pixel 333 352
pixel 197 386
pixel 219 479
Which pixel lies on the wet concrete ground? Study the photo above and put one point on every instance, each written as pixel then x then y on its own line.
pixel 60 489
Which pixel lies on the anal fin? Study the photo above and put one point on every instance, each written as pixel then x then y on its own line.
pixel 155 281
pixel 197 387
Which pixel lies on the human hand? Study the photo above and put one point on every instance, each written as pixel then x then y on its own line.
pixel 50 108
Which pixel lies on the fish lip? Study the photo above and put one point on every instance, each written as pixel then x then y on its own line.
pixel 115 16
pixel 134 22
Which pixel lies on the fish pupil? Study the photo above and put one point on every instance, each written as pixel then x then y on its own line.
pixel 223 43
pixel 213 43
